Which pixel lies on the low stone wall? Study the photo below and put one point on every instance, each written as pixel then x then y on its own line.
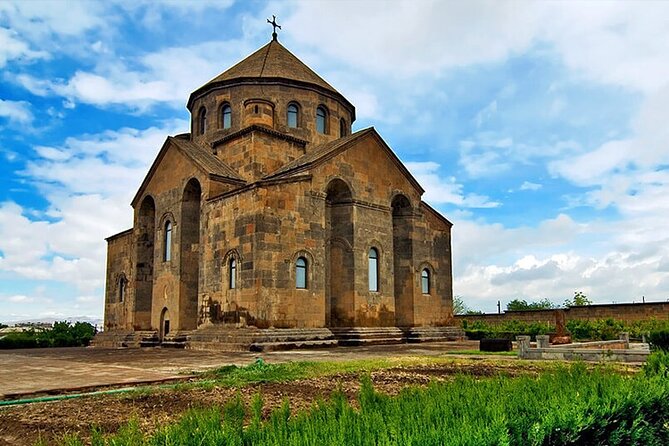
pixel 624 312
pixel 617 350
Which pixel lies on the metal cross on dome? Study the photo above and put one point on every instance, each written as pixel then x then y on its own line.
pixel 274 25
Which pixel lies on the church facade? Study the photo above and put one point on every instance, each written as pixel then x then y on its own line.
pixel 272 222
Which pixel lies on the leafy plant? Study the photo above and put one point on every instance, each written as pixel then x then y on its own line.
pixel 62 334
pixel 659 339
pixel 520 305
pixel 580 299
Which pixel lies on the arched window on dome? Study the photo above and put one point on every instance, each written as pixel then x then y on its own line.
pixel 321 119
pixel 292 117
pixel 425 281
pixel 226 116
pixel 343 130
pixel 301 273
pixel 202 121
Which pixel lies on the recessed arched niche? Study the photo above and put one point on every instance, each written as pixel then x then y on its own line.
pixel 259 112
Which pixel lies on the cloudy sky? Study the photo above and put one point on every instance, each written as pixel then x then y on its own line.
pixel 539 129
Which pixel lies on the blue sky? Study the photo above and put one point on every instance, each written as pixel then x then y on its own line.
pixel 538 128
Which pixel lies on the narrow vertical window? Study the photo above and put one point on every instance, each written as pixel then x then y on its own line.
pixel 167 249
pixel 425 281
pixel 121 289
pixel 373 270
pixel 342 128
pixel 233 274
pixel 301 273
pixel 292 116
pixel 321 115
pixel 202 121
pixel 226 116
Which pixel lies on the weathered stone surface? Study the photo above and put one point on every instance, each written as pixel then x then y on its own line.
pixel 225 213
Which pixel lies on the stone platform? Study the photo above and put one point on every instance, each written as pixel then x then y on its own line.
pixel 232 339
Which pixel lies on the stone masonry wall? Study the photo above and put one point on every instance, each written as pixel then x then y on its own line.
pixel 119 265
pixel 279 96
pixel 624 312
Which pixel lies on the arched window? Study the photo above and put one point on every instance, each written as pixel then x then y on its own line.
pixel 343 131
pixel 121 289
pixel 425 281
pixel 321 119
pixel 167 248
pixel 202 121
pixel 226 116
pixel 292 112
pixel 233 273
pixel 301 273
pixel 373 270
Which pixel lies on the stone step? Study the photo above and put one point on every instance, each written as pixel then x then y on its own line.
pixel 274 346
pixel 245 339
pixel 368 341
pixel 350 336
pixel 433 334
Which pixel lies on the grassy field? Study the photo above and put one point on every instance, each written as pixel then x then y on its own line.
pixel 562 404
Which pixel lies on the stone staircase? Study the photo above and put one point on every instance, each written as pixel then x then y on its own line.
pixel 177 339
pixel 432 334
pixel 223 338
pixel 352 336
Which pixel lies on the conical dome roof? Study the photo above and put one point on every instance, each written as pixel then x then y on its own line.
pixel 271 62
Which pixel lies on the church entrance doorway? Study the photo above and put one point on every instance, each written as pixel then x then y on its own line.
pixel 164 324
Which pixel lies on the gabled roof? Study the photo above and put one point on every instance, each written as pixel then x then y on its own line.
pixel 324 152
pixel 436 213
pixel 201 158
pixel 272 62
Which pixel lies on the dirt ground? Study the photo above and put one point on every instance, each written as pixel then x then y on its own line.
pixel 26 424
pixel 54 370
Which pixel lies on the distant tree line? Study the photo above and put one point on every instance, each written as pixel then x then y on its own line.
pixel 62 334
pixel 579 299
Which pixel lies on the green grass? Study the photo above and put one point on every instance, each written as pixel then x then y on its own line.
pixel 262 372
pixel 478 352
pixel 567 406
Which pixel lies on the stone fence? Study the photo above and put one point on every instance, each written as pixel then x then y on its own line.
pixel 617 350
pixel 623 312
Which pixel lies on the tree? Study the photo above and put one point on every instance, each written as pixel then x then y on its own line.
pixel 459 306
pixel 520 305
pixel 579 299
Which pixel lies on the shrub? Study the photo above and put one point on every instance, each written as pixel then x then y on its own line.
pixel 61 335
pixel 659 339
pixel 657 364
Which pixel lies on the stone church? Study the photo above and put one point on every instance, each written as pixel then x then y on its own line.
pixel 273 225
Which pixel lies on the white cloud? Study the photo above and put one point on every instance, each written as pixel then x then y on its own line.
pixel 608 261
pixel 12 48
pixel 167 76
pixel 89 182
pixel 528 185
pixel 404 40
pixel 439 190
pixel 16 111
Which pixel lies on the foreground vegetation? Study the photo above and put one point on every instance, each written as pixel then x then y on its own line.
pixel 566 405
pixel 62 334
pixel 580 330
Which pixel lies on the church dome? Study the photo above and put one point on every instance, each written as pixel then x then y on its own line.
pixel 264 89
